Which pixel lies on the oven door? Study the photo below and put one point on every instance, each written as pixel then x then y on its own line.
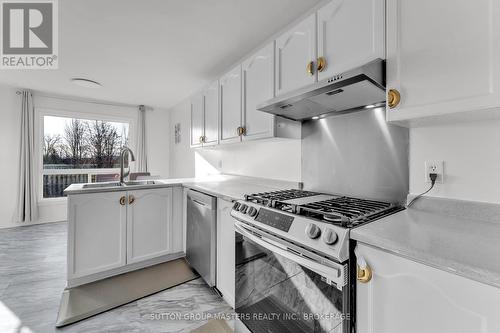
pixel 282 288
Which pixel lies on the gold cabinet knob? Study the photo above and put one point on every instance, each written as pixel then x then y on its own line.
pixel 310 68
pixel 364 275
pixel 131 199
pixel 123 201
pixel 393 98
pixel 200 139
pixel 321 64
pixel 240 131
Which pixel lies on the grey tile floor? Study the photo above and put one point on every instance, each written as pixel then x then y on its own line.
pixel 32 277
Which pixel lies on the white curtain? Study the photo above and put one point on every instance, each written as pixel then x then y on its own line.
pixel 27 202
pixel 142 157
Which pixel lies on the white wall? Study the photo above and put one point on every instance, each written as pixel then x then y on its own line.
pixel 10 122
pixel 182 159
pixel 157 127
pixel 275 159
pixel 55 210
pixel 471 152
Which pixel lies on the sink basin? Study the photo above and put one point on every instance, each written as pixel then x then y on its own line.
pixel 141 182
pixel 102 185
pixel 118 184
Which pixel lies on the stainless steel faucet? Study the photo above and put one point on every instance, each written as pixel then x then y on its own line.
pixel 122 162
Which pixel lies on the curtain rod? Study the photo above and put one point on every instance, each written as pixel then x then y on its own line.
pixel 19 92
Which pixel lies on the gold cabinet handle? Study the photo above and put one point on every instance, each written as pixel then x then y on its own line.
pixel 201 139
pixel 393 98
pixel 238 130
pixel 131 199
pixel 321 64
pixel 241 131
pixel 123 201
pixel 364 275
pixel 310 68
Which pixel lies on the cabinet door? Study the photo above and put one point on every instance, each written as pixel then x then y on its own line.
pixel 442 56
pixel 97 233
pixel 405 296
pixel 149 219
pixel 211 100
pixel 197 121
pixel 295 49
pixel 350 34
pixel 258 87
pixel 225 251
pixel 230 110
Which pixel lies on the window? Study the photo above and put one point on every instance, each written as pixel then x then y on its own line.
pixel 78 150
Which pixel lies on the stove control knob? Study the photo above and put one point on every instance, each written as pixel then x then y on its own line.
pixel 236 205
pixel 243 208
pixel 330 237
pixel 252 211
pixel 313 231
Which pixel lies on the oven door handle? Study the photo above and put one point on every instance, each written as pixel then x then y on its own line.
pixel 335 275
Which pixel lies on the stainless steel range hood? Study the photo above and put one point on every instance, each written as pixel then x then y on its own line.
pixel 351 90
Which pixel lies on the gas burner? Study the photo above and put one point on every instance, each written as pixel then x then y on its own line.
pixel 271 198
pixel 343 211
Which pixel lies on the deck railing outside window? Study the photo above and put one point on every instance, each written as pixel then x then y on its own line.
pixel 56 180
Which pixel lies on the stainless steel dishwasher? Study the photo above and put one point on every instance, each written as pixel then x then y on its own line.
pixel 201 234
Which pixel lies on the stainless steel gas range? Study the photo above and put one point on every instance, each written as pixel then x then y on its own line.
pixel 294 271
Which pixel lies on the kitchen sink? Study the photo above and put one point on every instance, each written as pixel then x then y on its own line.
pixel 118 184
pixel 102 185
pixel 141 182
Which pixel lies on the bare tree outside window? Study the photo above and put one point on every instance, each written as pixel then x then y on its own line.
pixel 104 144
pixel 81 145
pixel 75 137
pixel 52 149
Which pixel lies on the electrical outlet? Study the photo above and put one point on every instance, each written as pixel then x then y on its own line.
pixel 434 167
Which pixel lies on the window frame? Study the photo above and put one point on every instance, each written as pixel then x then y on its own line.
pixel 40 113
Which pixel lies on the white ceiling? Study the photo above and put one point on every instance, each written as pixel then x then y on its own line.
pixel 154 52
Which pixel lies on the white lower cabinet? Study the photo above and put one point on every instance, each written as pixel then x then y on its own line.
pixel 149 224
pixel 111 233
pixel 406 296
pixel 96 233
pixel 225 251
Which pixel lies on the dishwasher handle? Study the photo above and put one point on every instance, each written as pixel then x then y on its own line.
pixel 202 199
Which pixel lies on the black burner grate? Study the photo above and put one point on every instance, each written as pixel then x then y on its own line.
pixel 341 210
pixel 346 211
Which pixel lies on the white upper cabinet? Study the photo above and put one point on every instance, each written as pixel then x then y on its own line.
pixel 442 57
pixel 211 103
pixel 149 224
pixel 230 110
pixel 350 34
pixel 197 121
pixel 258 87
pixel 295 52
pixel 405 296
